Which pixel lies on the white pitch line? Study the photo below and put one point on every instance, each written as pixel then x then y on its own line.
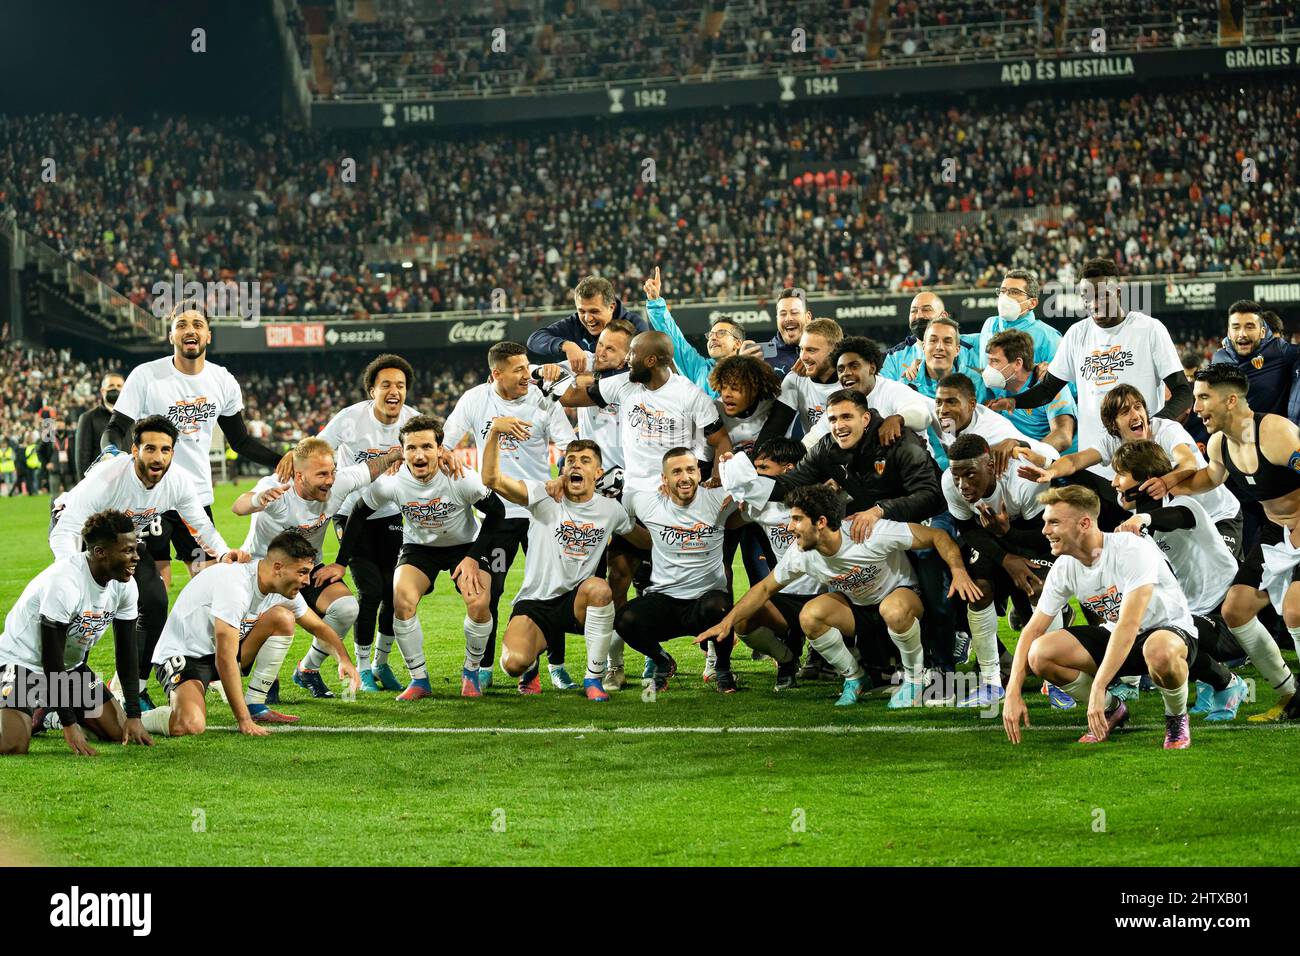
pixel 829 729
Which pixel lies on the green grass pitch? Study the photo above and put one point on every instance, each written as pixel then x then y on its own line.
pixel 748 779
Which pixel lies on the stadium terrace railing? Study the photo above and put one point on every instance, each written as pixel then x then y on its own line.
pixel 297 70
pixel 91 292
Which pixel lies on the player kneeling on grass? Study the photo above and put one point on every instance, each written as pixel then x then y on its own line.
pixel 1146 627
pixel 870 583
pixel 774 628
pixel 438 534
pixel 306 504
pixel 1201 560
pixel 236 619
pixel 688 583
pixel 997 515
pixel 566 537
pixel 50 631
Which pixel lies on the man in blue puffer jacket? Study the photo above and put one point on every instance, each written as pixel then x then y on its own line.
pixel 1272 367
pixel 570 338
pixel 1269 363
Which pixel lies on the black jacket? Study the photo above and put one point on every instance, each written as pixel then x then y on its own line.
pixel 549 342
pixel 903 479
pixel 90 429
pixel 48 451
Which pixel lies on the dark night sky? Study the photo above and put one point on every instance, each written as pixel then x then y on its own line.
pixel 134 57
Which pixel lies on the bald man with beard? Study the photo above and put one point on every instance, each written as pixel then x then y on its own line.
pixel 906 355
pixel 659 408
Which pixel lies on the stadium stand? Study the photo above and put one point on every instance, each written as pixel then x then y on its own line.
pixel 837 205
pixel 408 48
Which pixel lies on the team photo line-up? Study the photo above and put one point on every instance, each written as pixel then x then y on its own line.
pixel 889 507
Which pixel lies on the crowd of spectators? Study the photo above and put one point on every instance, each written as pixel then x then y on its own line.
pixel 39 390
pixel 297 398
pixel 418 47
pixel 1159 177
pixel 436 47
pixel 284 399
pixel 993 28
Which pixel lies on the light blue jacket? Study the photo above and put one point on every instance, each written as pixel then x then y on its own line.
pixel 689 362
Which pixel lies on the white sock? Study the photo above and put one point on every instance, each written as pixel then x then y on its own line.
pixel 711 654
pixel 157 721
pixel 363 655
pixel 615 650
pixel 266 667
pixel 1265 655
pixel 833 650
pixel 410 638
pixel 598 630
pixel 909 646
pixel 383 647
pixel 476 638
pixel 984 638
pixel 1131 681
pixel 1175 700
pixel 1081 688
pixel 765 641
pixel 314 658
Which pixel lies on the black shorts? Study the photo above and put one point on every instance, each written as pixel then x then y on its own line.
pixel 554 617
pixel 790 605
pixel 866 617
pixel 502 546
pixel 1251 572
pixel 310 593
pixel 380 541
pixel 175 535
pixel 867 622
pixel 1229 530
pixel 21 689
pixel 1215 638
pixel 984 567
pixel 876 649
pixel 1095 640
pixel 175 671
pixel 430 559
pixel 674 616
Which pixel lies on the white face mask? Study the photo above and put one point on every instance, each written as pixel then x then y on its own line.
pixel 1008 308
pixel 994 378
